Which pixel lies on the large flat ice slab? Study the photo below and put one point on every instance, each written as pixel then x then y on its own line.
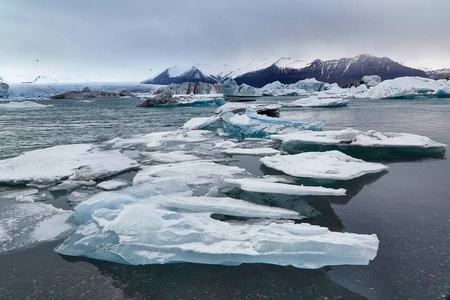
pixel 251 151
pixel 22 105
pixel 265 186
pixel 50 165
pixel 333 165
pixel 25 224
pixel 148 229
pixel 362 143
pixel 191 172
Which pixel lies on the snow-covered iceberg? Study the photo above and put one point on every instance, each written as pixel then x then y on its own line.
pixel 135 226
pixel 266 186
pixel 254 125
pixel 168 98
pixel 365 144
pixel 408 87
pixel 333 165
pixel 22 105
pixel 54 164
pixel 318 102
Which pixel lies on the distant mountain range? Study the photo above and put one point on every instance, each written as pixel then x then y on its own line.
pixel 289 70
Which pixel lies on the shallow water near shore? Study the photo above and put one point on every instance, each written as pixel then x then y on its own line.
pixel 408 208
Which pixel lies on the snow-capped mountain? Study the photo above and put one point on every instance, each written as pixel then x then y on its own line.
pixel 439 74
pixel 339 71
pixel 289 70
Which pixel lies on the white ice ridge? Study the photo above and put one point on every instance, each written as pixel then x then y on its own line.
pixel 200 123
pixel 169 157
pixel 353 137
pixel 408 87
pixel 22 105
pixel 113 184
pixel 134 226
pixel 265 186
pixel 51 165
pixel 318 102
pixel 250 151
pixel 190 172
pixel 333 165
pixel 24 224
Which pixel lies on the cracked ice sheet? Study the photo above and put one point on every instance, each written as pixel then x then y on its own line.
pixel 161 139
pixel 171 228
pixel 333 165
pixel 192 172
pixel 265 186
pixel 24 224
pixel 51 165
pixel 170 157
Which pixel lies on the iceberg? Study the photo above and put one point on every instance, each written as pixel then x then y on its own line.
pixel 168 98
pixel 4 89
pixel 271 110
pixel 363 144
pixel 80 162
pixel 25 224
pixel 266 186
pixel 254 125
pixel 202 123
pixel 276 89
pixel 333 165
pixel 371 80
pixel 134 226
pixel 232 89
pixel 23 105
pixel 318 102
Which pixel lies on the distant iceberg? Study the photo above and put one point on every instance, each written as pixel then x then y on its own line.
pixel 159 223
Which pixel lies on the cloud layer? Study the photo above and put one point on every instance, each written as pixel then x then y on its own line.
pixel 123 40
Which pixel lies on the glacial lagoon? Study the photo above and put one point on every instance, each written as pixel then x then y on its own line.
pixel 407 208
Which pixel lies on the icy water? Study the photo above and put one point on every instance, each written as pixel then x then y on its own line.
pixel 408 208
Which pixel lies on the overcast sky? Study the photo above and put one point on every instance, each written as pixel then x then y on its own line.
pixel 109 40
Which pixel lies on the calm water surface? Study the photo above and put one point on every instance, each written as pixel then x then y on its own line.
pixel 408 208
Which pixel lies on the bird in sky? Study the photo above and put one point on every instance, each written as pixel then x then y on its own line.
pixel 37 60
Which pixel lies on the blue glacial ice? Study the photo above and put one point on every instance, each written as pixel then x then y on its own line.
pixel 160 223
pixel 253 125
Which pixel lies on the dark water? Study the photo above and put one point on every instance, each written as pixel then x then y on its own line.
pixel 408 208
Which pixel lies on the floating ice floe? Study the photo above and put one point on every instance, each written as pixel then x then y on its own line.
pixel 266 186
pixel 369 144
pixel 158 140
pixel 332 165
pixel 169 157
pixel 22 105
pixel 408 87
pixel 318 102
pixel 250 151
pixel 193 173
pixel 78 162
pixel 168 98
pixel 254 125
pixel 133 226
pixel 279 89
pixel 113 184
pixel 24 224
pixel 202 123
